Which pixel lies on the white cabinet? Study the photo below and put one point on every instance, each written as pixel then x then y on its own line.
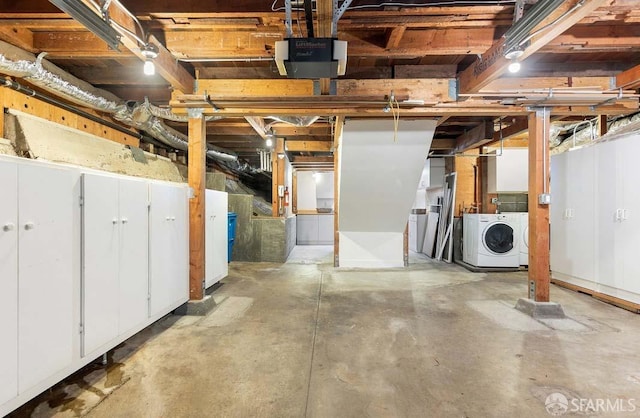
pixel 9 282
pixel 314 229
pixel 46 200
pixel 509 171
pixel 216 237
pixel 573 212
pixel 169 247
pixel 115 268
pixel 595 223
pixel 417 229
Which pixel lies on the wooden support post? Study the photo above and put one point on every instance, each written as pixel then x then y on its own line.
pixel 602 125
pixel 277 178
pixel 539 277
pixel 294 192
pixel 405 245
pixel 197 181
pixel 337 148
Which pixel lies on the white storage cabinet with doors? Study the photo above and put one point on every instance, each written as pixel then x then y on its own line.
pixel 39 277
pixel 595 221
pixel 87 259
pixel 216 236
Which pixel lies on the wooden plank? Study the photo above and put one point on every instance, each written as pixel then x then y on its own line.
pixel 431 90
pixel 337 141
pixel 529 83
pixel 539 161
pixel 279 173
pixel 629 78
pixel 197 182
pixel 18 36
pixel 442 144
pixel 300 146
pixel 310 159
pixel 621 303
pixel 256 88
pixel 405 245
pixel 492 63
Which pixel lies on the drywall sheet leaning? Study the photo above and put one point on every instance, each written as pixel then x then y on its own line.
pixel 379 175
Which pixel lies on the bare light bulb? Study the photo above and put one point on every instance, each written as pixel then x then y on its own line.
pixel 514 67
pixel 269 142
pixel 149 67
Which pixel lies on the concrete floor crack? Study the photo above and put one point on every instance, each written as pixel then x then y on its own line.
pixel 313 343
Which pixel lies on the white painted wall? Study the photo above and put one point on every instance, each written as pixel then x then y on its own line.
pixel 306 191
pixel 378 182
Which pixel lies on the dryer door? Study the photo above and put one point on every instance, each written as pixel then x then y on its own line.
pixel 498 238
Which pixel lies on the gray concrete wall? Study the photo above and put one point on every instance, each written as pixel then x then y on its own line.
pixel 216 181
pixel 290 235
pixel 54 142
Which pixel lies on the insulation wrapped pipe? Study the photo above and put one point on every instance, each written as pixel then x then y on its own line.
pixel 302 121
pixel 140 116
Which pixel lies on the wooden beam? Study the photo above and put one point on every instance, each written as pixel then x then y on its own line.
pixel 277 177
pixel 258 125
pixel 256 88
pixel 492 63
pixel 603 127
pixel 405 245
pixel 197 182
pixel 475 137
pixel 629 79
pixel 529 83
pixel 442 144
pixel 294 192
pixel 300 146
pixel 309 159
pixel 18 36
pixel 539 124
pixel 394 36
pixel 431 90
pixel 337 156
pixel 424 71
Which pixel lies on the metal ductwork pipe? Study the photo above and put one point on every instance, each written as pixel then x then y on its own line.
pixel 142 116
pixel 521 29
pixel 295 120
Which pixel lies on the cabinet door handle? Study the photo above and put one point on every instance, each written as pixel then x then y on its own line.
pixel 173 218
pixel 168 218
pixel 29 226
pixel 618 214
pixel 625 214
pixel 114 221
pixel 8 227
pixel 125 220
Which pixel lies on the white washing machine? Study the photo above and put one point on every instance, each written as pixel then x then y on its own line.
pixel 524 238
pixel 491 240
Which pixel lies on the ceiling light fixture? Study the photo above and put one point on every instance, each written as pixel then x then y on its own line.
pixel 514 67
pixel 149 52
pixel 270 137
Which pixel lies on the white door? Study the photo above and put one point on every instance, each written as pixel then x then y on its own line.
pixel 216 237
pixel 9 281
pixel 580 226
pixel 100 267
pixel 134 254
pixel 606 203
pixel 628 236
pixel 45 285
pixel 558 214
pixel 168 246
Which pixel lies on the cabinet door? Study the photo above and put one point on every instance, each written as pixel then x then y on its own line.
pixel 168 247
pixel 559 258
pixel 133 272
pixel 325 229
pixel 606 202
pixel 307 229
pixel 580 189
pixel 216 237
pixel 45 284
pixel 9 281
pixel 101 225
pixel 628 235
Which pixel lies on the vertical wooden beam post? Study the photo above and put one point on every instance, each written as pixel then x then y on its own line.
pixel 337 148
pixel 197 181
pixel 294 192
pixel 405 245
pixel 539 161
pixel 602 125
pixel 277 178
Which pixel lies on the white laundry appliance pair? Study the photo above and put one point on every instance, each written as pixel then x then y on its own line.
pixel 495 240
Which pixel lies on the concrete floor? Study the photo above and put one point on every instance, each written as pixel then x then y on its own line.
pixel 303 339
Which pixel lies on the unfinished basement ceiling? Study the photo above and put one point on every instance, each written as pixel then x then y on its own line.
pixel 388 46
